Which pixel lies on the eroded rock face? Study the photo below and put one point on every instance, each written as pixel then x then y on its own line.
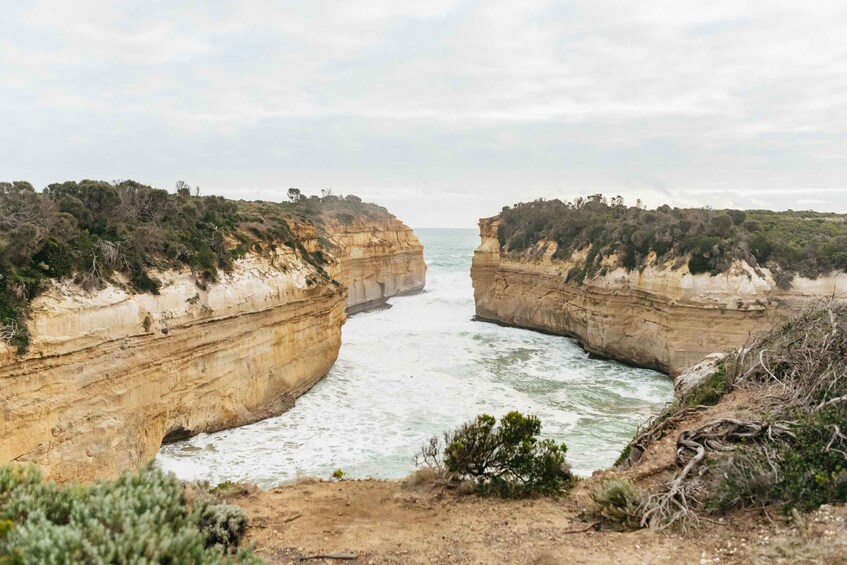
pixel 697 374
pixel 378 258
pixel 662 318
pixel 111 374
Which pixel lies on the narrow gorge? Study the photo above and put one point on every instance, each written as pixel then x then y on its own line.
pixel 111 372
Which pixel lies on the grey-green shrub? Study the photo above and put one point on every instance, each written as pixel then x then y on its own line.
pixel 140 517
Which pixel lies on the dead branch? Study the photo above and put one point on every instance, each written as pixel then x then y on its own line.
pixel 292 518
pixel 8 331
pixel 837 438
pixel 581 530
pixel 340 555
pixel 656 429
pixel 677 503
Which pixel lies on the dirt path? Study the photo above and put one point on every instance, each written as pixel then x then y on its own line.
pixel 382 522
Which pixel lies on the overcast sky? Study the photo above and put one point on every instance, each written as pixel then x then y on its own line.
pixel 442 111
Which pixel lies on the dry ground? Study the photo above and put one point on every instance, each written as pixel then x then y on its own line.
pixel 385 522
pixel 362 522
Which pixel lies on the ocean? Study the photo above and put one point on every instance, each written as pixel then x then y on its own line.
pixel 422 367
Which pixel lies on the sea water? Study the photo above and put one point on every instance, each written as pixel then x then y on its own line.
pixel 422 367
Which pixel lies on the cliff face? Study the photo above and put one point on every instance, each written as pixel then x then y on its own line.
pixel 663 318
pixel 110 374
pixel 377 259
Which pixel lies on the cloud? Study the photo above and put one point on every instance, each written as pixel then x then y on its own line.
pixel 444 110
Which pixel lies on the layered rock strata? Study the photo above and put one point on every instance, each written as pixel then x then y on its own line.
pixel 111 374
pixel 662 318
pixel 377 258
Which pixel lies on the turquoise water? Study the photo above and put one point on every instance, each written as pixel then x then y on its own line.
pixel 419 368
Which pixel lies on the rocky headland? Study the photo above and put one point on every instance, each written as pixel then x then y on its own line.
pixel 110 371
pixel 657 313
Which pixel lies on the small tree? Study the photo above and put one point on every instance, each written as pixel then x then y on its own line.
pixel 721 225
pixel 183 188
pixel 294 194
pixel 508 460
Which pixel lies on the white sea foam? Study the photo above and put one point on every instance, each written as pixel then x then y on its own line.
pixel 419 368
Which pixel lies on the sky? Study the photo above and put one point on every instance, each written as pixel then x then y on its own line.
pixel 443 111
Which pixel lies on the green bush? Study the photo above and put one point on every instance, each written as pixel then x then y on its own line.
pixel 223 524
pixel 803 473
pixel 709 391
pixel 619 502
pixel 92 230
pixel 810 243
pixel 508 459
pixel 141 517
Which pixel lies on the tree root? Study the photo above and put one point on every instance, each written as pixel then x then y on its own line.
pixel 655 430
pixel 677 503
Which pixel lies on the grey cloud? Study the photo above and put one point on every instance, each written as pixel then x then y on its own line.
pixel 444 111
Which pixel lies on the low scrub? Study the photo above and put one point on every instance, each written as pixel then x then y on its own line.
pixel 792 456
pixel 619 502
pixel 506 459
pixel 143 517
pixel 90 231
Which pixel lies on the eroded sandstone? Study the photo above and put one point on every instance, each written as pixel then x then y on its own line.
pixel 661 317
pixel 378 258
pixel 110 373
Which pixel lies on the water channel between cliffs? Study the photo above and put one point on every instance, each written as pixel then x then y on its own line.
pixel 421 367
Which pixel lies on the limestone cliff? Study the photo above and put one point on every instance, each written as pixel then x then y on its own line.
pixel 377 258
pixel 111 373
pixel 661 317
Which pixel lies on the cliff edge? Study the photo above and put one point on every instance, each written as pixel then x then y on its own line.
pixel 658 315
pixel 378 258
pixel 124 349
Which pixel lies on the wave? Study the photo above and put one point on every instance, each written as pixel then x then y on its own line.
pixel 419 368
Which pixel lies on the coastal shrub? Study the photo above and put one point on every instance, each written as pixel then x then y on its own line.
pixel 618 502
pixel 506 459
pixel 91 231
pixel 786 450
pixel 229 489
pixel 223 524
pixel 139 517
pixel 804 473
pixel 808 243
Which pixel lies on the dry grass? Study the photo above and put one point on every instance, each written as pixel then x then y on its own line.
pixel 795 443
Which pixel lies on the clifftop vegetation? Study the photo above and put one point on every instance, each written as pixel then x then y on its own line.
pixel 143 517
pixel 788 449
pixel 808 243
pixel 92 230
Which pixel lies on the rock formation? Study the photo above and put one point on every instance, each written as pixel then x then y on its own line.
pixel 110 373
pixel 663 318
pixel 377 258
